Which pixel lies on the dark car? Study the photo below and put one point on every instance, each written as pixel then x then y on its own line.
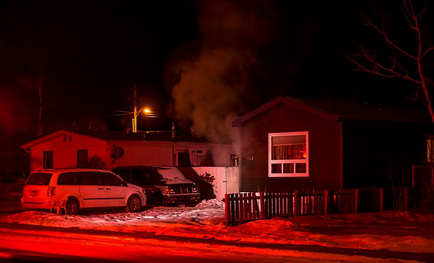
pixel 163 185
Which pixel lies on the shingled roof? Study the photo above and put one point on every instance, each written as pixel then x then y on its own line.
pixel 344 110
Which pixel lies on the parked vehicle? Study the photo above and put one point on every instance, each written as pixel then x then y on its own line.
pixel 163 185
pixel 78 189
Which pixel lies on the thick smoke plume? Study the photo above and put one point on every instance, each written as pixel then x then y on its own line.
pixel 217 83
pixel 16 109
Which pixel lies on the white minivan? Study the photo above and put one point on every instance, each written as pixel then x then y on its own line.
pixel 78 189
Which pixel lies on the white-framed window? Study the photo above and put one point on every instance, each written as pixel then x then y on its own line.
pixel 288 154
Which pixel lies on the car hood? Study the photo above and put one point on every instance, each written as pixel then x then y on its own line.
pixel 172 175
pixel 178 181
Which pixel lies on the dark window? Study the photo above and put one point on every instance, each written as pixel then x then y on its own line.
pixel 90 178
pixel 141 176
pixel 123 173
pixel 82 158
pixel 156 177
pixel 48 159
pixel 112 180
pixel 67 179
pixel 39 179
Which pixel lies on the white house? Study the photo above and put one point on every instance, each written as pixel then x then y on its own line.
pixel 70 149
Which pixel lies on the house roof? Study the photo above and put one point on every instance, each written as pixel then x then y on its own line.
pixel 46 138
pixel 344 110
pixel 140 136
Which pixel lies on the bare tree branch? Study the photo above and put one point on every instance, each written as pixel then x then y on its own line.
pixel 386 38
pixel 370 62
pixel 427 51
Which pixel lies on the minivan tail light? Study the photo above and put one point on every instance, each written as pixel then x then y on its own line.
pixel 51 191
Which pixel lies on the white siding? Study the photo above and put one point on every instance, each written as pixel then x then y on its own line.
pixel 144 153
pixel 159 153
pixel 226 179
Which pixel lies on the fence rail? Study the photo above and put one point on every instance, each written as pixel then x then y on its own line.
pixel 264 205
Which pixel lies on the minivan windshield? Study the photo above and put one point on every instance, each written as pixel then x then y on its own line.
pixel 39 179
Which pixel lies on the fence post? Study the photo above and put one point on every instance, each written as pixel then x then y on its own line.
pixel 356 200
pixel 326 197
pixel 261 200
pixel 227 210
pixel 297 202
pixel 381 199
pixel 290 204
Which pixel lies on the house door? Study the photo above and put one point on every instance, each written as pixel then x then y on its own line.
pixel 183 159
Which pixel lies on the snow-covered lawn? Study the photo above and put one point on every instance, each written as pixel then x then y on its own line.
pixel 373 231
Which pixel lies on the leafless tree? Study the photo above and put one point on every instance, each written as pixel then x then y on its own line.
pixel 409 59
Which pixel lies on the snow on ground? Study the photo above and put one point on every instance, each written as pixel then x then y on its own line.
pixel 388 230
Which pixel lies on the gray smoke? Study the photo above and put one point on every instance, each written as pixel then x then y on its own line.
pixel 216 84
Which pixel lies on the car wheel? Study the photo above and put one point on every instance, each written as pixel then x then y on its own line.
pixel 134 204
pixel 72 207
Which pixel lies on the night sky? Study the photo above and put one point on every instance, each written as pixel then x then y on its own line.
pixel 197 63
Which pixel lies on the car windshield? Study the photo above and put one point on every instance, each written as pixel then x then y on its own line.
pixel 39 178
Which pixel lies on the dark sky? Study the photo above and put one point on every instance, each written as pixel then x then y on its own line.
pixel 191 60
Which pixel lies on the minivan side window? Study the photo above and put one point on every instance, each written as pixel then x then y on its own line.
pixel 90 178
pixel 112 180
pixel 67 179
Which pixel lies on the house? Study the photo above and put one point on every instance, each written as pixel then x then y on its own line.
pixel 199 159
pixel 66 149
pixel 293 143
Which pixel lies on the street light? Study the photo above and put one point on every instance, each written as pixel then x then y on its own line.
pixel 135 114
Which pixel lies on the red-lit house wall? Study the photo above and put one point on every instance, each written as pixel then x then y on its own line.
pixel 65 147
pixel 324 149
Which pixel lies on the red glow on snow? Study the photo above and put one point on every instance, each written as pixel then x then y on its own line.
pixel 5 255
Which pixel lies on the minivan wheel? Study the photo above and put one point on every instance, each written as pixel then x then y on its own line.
pixel 134 204
pixel 72 207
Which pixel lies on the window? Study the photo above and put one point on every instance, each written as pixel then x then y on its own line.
pixel 112 180
pixel 48 159
pixel 39 179
pixel 90 178
pixel 67 179
pixel 82 158
pixel 430 149
pixel 288 154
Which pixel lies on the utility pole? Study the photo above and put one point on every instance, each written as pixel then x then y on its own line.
pixel 40 127
pixel 135 110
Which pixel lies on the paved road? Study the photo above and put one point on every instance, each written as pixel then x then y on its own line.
pixel 27 243
pixel 21 243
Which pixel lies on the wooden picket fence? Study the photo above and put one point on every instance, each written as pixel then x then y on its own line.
pixel 264 205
